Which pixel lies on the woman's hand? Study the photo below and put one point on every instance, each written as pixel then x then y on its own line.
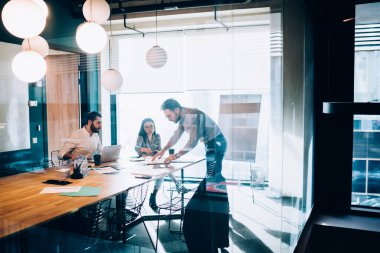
pixel 158 155
pixel 147 151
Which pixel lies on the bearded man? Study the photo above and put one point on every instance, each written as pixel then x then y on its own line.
pixel 84 141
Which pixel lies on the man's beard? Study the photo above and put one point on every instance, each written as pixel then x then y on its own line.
pixel 94 129
pixel 178 117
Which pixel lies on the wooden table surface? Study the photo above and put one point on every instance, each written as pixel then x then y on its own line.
pixel 22 206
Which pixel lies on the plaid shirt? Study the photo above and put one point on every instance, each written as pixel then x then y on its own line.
pixel 154 145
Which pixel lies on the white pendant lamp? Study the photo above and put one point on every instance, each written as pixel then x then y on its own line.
pixel 37 44
pixel 29 66
pixel 43 6
pixel 23 18
pixel 97 11
pixel 156 57
pixel 112 79
pixel 91 37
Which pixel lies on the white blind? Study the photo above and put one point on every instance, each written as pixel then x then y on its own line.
pixel 237 59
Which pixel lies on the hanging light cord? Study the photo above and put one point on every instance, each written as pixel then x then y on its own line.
pixel 30 46
pixel 109 52
pixel 109 39
pixel 156 26
pixel 91 11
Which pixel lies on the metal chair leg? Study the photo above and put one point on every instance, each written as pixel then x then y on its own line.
pixel 158 227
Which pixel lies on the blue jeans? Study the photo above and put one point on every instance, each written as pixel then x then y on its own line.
pixel 215 150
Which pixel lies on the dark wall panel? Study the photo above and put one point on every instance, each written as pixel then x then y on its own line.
pixel 29 159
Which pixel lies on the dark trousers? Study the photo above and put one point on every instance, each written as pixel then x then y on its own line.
pixel 215 150
pixel 205 225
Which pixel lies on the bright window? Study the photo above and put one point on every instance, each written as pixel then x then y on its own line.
pixel 366 142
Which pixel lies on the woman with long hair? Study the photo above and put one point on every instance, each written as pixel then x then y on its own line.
pixel 148 144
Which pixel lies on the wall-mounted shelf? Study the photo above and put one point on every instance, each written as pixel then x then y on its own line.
pixel 351 108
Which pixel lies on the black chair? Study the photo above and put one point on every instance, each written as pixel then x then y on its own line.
pixel 55 159
pixel 94 217
pixel 176 203
pixel 128 208
pixel 92 224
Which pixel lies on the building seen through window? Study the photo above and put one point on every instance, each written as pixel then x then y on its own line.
pixel 366 142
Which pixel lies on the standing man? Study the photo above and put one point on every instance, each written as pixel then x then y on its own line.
pixel 206 217
pixel 84 141
pixel 200 127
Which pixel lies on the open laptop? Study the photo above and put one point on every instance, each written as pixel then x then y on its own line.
pixel 110 153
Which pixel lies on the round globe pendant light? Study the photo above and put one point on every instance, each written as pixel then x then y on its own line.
pixel 112 79
pixel 37 44
pixel 43 6
pixel 23 18
pixel 156 57
pixel 29 66
pixel 91 37
pixel 96 11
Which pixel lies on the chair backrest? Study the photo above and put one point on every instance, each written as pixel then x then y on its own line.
pixel 129 203
pixel 177 201
pixel 55 159
pixel 93 218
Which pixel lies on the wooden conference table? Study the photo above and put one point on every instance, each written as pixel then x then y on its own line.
pixel 23 206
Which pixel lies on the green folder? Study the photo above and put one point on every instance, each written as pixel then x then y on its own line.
pixel 85 191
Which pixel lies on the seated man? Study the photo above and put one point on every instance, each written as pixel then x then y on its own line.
pixel 84 141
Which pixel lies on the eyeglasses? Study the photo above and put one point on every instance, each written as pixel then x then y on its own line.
pixel 151 126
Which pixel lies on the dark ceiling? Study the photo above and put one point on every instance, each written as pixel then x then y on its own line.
pixel 120 7
pixel 66 15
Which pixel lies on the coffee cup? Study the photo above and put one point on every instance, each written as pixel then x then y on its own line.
pixel 97 159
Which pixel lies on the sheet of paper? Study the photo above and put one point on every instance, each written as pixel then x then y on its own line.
pixel 58 189
pixel 136 159
pixel 148 171
pixel 63 170
pixel 85 191
pixel 106 170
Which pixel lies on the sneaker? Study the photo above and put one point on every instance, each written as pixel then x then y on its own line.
pixel 152 201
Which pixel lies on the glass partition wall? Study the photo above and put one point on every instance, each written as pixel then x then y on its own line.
pixel 365 157
pixel 216 67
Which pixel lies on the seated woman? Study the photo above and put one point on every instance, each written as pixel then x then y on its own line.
pixel 148 144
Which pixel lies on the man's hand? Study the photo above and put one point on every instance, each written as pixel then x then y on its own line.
pixel 69 156
pixel 158 155
pixel 170 158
